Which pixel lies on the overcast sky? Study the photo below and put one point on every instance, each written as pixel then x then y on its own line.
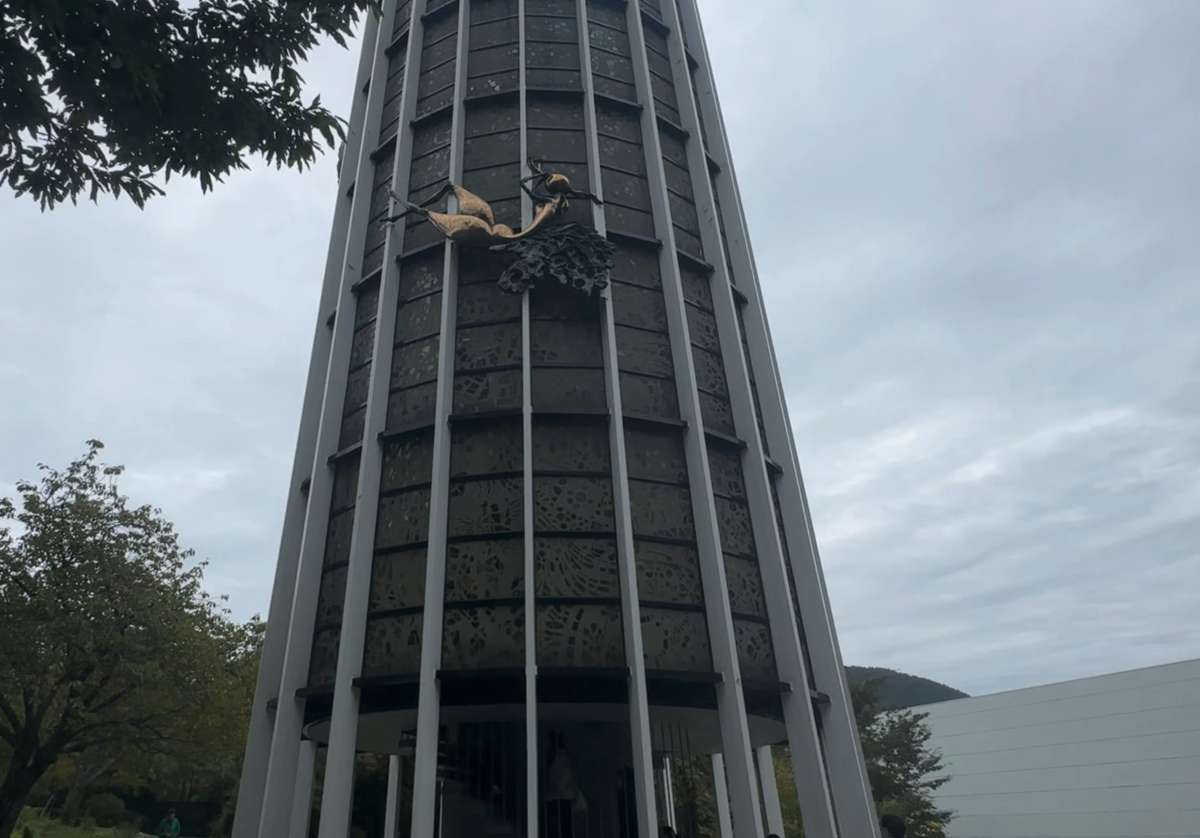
pixel 978 232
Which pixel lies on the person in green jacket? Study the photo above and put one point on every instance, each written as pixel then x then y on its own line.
pixel 168 827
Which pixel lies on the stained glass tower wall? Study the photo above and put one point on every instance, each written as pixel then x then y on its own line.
pixel 519 526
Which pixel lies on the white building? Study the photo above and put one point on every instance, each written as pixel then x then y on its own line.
pixel 1116 756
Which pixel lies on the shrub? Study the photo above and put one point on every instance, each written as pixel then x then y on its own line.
pixel 105 809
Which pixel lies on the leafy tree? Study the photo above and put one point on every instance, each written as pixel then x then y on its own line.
pixel 904 771
pixel 107 95
pixel 106 635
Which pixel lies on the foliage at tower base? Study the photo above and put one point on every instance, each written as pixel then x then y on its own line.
pixel 113 659
pixel 903 769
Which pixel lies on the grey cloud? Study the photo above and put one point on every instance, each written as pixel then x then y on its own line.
pixel 988 269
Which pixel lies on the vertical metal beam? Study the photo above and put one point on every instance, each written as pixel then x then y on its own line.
pixel 731 704
pixel 337 796
pixel 668 784
pixel 721 794
pixel 772 811
pixel 391 817
pixel 289 715
pixel 631 616
pixel 532 792
pixel 306 769
pixel 799 717
pixel 253 781
pixel 425 762
pixel 850 787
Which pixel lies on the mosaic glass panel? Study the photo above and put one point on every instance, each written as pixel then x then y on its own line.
pixel 337 541
pixel 415 363
pixel 403 519
pixel 483 638
pixel 486 569
pixel 737 533
pixel 407 462
pixel 584 568
pixel 487 391
pixel 570 446
pixel 573 504
pixel 485 347
pixel 668 573
pixel 480 507
pixel 568 390
pixel 397 581
pixel 643 395
pixel 487 448
pixel 331 597
pixel 393 645
pixel 322 666
pixel 411 406
pixel 675 640
pixel 663 511
pixel 756 657
pixel 580 635
pixel 656 455
pixel 744 581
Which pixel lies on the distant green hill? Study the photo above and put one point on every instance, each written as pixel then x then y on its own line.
pixel 902 690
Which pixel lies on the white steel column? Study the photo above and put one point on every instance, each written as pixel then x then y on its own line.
pixel 668 784
pixel 391 817
pixel 302 800
pixel 425 760
pixel 631 617
pixel 731 704
pixel 289 715
pixel 532 792
pixel 799 716
pixel 772 811
pixel 337 796
pixel 253 781
pixel 850 788
pixel 721 795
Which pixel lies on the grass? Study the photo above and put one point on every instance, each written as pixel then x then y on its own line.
pixel 33 825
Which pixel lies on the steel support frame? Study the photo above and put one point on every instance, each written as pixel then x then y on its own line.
pixel 848 783
pixel 799 716
pixel 289 716
pixel 253 783
pixel 731 704
pixel 425 797
pixel 395 788
pixel 772 811
pixel 337 797
pixel 306 770
pixel 641 742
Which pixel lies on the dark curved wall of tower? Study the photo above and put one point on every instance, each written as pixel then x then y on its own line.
pixel 574 535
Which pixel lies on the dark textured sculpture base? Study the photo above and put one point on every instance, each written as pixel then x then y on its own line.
pixel 569 253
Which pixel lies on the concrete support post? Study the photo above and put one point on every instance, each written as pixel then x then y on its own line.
pixel 252 787
pixel 337 797
pixel 426 799
pixel 391 817
pixel 668 784
pixel 731 704
pixel 842 755
pixel 772 811
pixel 721 794
pixel 289 714
pixel 639 708
pixel 306 770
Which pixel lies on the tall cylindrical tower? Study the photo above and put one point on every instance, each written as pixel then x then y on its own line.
pixel 549 550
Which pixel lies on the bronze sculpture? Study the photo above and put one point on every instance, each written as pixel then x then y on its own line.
pixel 570 253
